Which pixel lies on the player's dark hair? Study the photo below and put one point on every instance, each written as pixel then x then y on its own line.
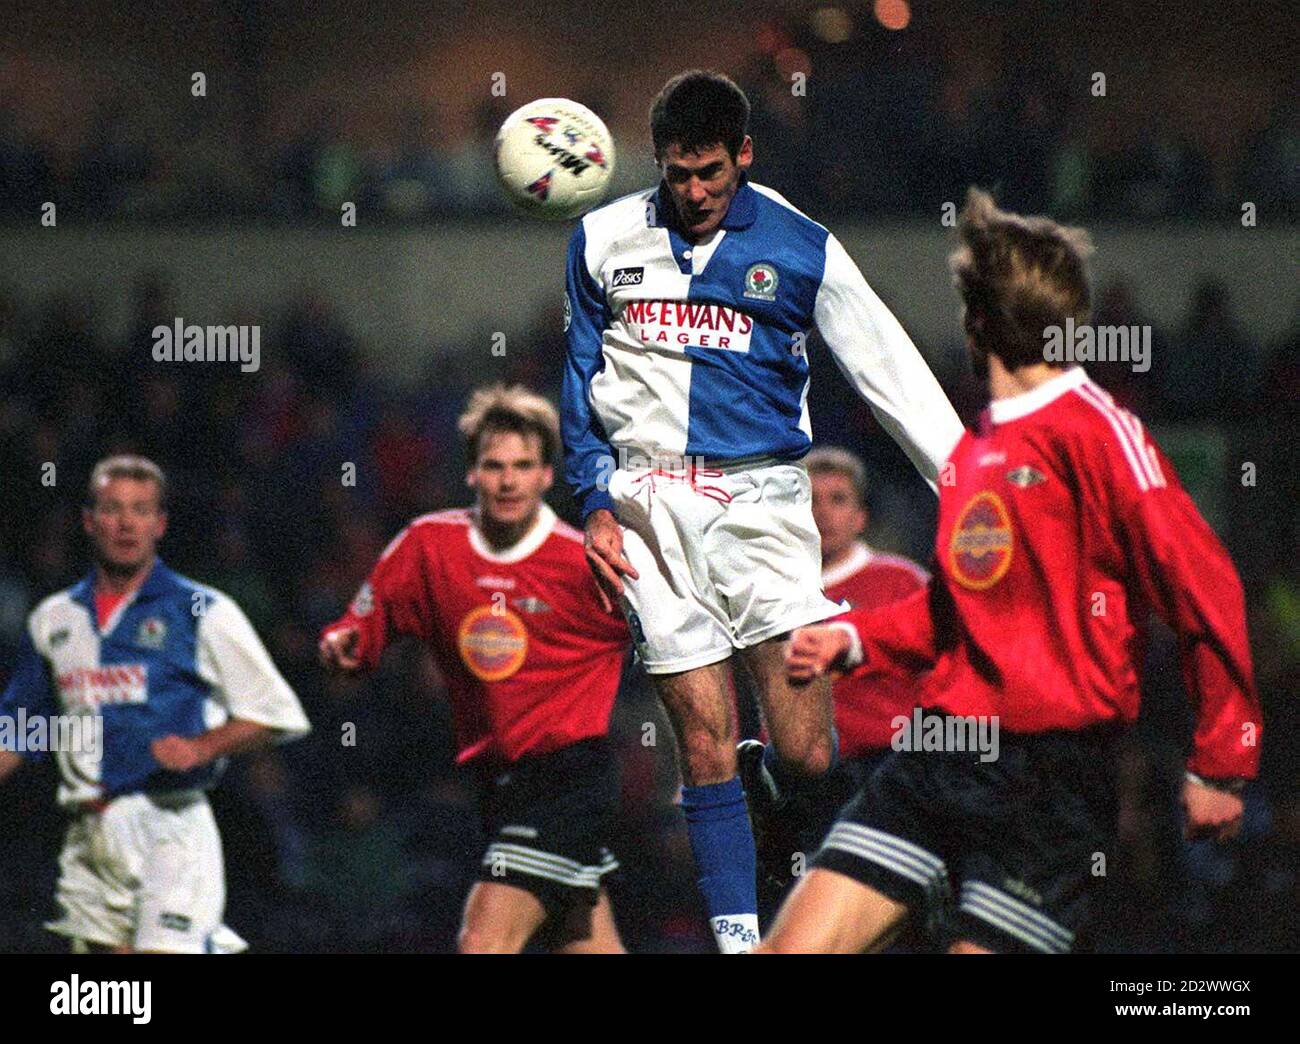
pixel 698 109
pixel 128 466
pixel 513 408
pixel 1017 276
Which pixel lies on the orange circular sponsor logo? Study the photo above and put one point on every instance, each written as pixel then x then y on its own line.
pixel 979 550
pixel 493 644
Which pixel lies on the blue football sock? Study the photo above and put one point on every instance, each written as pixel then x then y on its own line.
pixel 717 822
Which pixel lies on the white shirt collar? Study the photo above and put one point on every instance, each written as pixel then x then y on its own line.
pixel 1022 405
pixel 526 544
pixel 841 571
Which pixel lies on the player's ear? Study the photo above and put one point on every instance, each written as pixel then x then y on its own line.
pixel 87 516
pixel 471 478
pixel 746 154
pixel 548 478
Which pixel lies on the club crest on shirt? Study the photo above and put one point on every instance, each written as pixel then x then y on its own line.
pixel 493 642
pixel 761 281
pixel 979 550
pixel 152 633
pixel 1025 476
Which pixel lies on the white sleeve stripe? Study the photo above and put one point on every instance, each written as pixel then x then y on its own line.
pixel 1139 445
pixel 1145 454
pixel 1148 454
pixel 1085 392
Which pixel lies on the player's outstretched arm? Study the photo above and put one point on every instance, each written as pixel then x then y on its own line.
pixel 877 357
pixel 1187 576
pixel 396 601
pixel 588 456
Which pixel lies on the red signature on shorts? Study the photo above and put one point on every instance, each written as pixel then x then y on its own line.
pixel 690 475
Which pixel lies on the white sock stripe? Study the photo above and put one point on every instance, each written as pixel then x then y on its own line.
pixel 903 846
pixel 977 891
pixel 1087 392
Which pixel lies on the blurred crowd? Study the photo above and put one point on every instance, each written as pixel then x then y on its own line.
pixel 881 128
pixel 372 846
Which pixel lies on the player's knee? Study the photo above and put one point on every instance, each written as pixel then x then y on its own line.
pixel 809 757
pixel 708 758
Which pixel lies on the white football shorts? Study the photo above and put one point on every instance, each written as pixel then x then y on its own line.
pixel 728 557
pixel 146 872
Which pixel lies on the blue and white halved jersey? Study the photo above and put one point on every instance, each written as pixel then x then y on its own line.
pixel 697 350
pixel 175 658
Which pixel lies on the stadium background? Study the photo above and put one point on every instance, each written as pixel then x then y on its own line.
pixel 226 209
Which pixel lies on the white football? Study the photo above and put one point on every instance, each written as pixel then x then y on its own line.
pixel 554 158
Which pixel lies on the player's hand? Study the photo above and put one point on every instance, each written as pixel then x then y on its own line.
pixel 1211 813
pixel 338 649
pixel 177 753
pixel 815 651
pixel 604 547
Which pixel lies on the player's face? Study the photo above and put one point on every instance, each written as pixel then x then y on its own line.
pixel 125 524
pixel 840 518
pixel 703 183
pixel 510 477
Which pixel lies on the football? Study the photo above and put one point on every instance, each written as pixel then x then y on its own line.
pixel 554 158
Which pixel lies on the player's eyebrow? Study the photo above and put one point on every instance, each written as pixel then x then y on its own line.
pixel 705 172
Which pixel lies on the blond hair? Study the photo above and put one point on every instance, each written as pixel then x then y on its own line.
pixel 835 460
pixel 128 466
pixel 1017 276
pixel 513 408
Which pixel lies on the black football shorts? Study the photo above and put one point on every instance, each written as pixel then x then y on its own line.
pixel 1006 853
pixel 549 819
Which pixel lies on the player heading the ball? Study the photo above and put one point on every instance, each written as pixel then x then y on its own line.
pixel 688 310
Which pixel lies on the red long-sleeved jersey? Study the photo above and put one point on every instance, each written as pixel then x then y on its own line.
pixel 532 661
pixel 1060 526
pixel 866 702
